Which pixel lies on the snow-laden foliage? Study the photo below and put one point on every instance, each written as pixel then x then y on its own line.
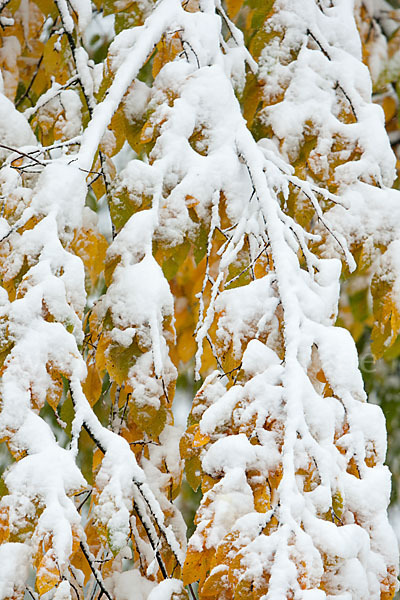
pixel 193 194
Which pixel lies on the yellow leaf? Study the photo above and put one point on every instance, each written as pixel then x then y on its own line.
pixel 101 350
pixel 389 106
pixel 55 391
pixel 91 247
pixel 97 458
pixel 233 7
pixel 193 472
pixel 200 439
pixel 197 565
pixel 109 269
pixel 389 584
pixel 216 584
pixel 352 468
pixel 48 574
pixel 167 49
pixel 97 179
pixel 4 525
pixel 150 419
pixel 46 6
pixel 386 316
pixel 55 57
pixel 120 359
pixel 92 384
pixel 262 498
pixel 252 97
pixel 147 132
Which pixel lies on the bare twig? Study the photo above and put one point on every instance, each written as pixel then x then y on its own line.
pixel 48 96
pixel 96 573
pixel 249 266
pixel 28 89
pixel 153 542
pixel 21 154
pixel 193 595
pixel 337 85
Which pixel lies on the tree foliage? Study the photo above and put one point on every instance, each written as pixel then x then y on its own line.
pixel 183 184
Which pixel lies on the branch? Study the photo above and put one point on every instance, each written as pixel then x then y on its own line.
pixel 28 89
pixel 97 575
pixel 21 153
pixel 338 85
pixel 51 93
pixel 152 541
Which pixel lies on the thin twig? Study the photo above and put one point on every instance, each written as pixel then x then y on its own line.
pixel 89 493
pixel 214 353
pixel 337 85
pixel 192 50
pixel 194 597
pixel 249 266
pixel 153 544
pixel 43 100
pixel 30 592
pixel 231 371
pixel 21 154
pixel 28 89
pixel 97 575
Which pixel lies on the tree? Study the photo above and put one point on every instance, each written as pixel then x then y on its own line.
pixel 193 189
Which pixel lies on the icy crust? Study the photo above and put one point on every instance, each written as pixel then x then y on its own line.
pixel 327 52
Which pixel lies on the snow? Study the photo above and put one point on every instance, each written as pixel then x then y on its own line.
pixel 337 65
pixel 14 565
pixel 66 18
pixel 293 420
pixel 122 585
pixel 84 11
pixel 14 128
pixel 166 589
